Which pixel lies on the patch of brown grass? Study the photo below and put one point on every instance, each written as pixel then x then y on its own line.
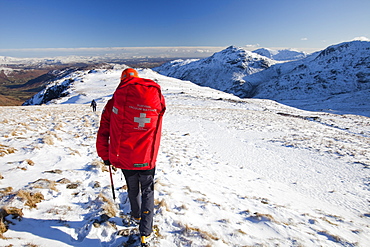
pixel 162 204
pixel 205 235
pixel 262 217
pixel 6 191
pixel 57 171
pixel 330 236
pixel 59 126
pixel 6 150
pixel 73 152
pixel 5 121
pixel 64 181
pixel 48 140
pixel 109 208
pixel 29 162
pixel 31 198
pixel 105 168
pixel 97 164
pixel 241 232
pixel 72 186
pixel 4 223
pixel 31 245
pixel 43 183
pixel 22 168
pixel 103 198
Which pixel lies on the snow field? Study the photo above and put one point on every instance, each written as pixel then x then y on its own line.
pixel 230 172
pixel 252 185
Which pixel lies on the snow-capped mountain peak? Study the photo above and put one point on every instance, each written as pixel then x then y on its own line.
pixel 281 55
pixel 223 70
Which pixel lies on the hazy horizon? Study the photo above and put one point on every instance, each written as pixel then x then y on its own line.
pixel 133 52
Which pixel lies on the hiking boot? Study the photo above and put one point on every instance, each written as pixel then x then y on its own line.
pixel 146 238
pixel 144 241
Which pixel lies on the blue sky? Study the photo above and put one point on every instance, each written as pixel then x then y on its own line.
pixel 300 24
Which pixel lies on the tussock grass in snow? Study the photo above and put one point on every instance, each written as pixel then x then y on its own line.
pixel 15 213
pixel 29 162
pixel 98 164
pixel 73 152
pixel 161 204
pixel 30 198
pixel 109 207
pixel 64 181
pixel 6 190
pixel 31 245
pixel 6 150
pixel 190 230
pixel 43 183
pixel 48 140
pixel 57 171
pixel 74 185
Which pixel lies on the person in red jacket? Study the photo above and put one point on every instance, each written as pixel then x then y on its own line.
pixel 129 137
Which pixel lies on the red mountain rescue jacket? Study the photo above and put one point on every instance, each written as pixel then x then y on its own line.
pixel 131 124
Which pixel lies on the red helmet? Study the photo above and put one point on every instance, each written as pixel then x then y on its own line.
pixel 129 73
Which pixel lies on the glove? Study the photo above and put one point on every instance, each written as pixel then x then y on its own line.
pixel 107 162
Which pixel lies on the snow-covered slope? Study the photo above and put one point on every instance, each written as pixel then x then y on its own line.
pixel 70 84
pixel 281 55
pixel 231 172
pixel 224 70
pixel 337 79
pixel 338 69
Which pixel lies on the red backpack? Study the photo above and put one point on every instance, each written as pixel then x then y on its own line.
pixel 136 124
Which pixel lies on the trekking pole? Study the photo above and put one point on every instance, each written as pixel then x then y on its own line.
pixel 111 183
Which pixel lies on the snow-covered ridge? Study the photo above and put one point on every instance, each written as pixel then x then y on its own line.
pixel 77 85
pixel 339 69
pixel 223 71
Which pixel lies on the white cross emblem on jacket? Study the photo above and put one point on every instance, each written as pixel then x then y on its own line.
pixel 142 120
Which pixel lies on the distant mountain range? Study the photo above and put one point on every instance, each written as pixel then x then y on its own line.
pixel 338 69
pixel 342 69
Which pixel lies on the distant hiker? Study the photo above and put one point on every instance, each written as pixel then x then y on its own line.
pixel 93 105
pixel 128 138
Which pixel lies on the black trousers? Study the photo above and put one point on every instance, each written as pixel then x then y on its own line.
pixel 140 186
